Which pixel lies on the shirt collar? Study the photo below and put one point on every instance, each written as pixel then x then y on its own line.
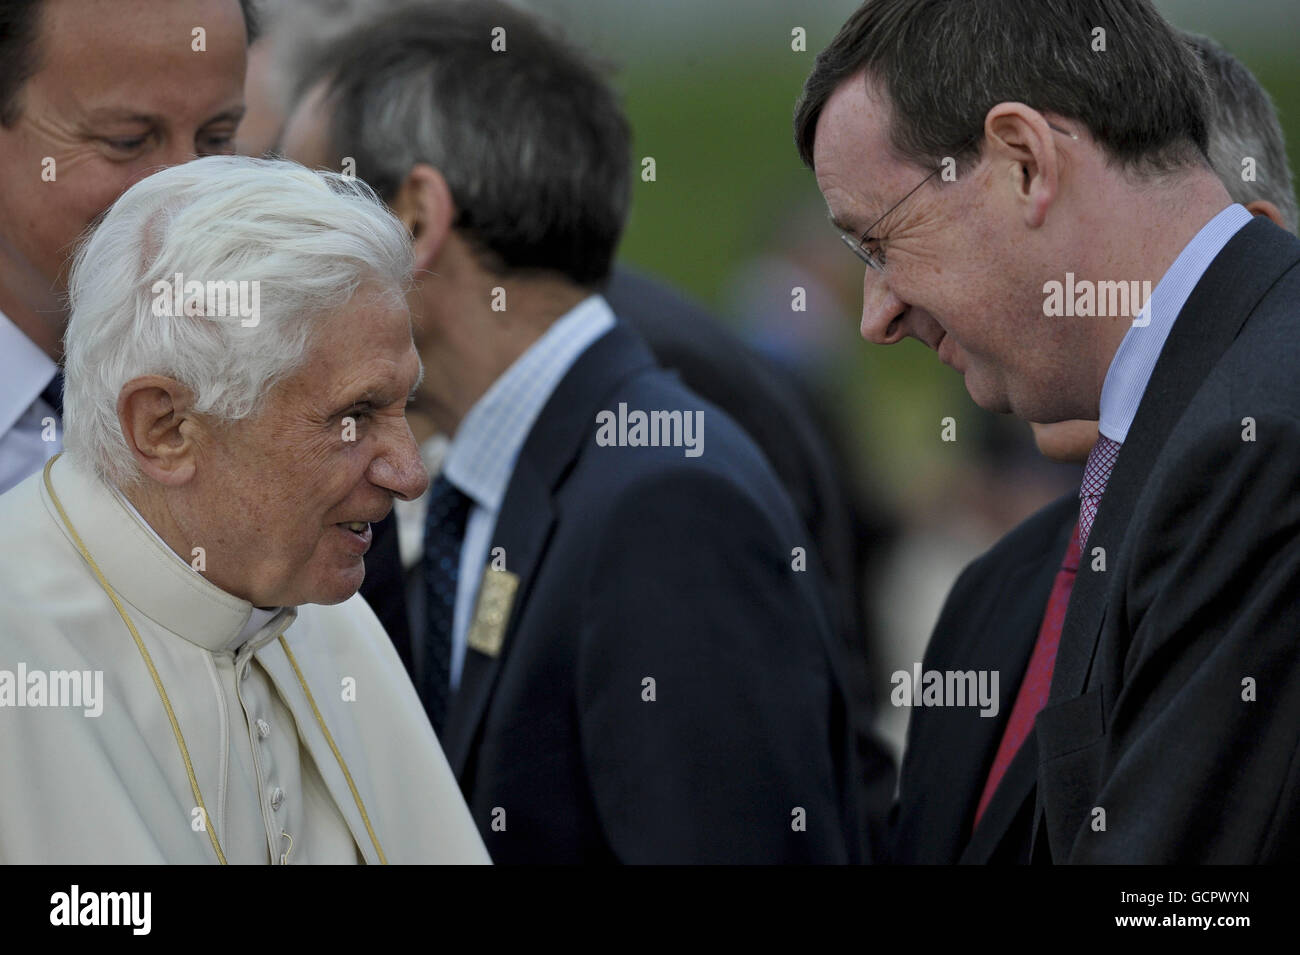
pixel 1130 369
pixel 25 370
pixel 144 571
pixel 487 443
pixel 256 619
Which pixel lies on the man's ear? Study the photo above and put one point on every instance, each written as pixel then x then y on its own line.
pixel 1262 207
pixel 424 204
pixel 159 427
pixel 1022 149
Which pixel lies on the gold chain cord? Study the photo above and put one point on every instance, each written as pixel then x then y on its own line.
pixel 171 715
pixel 356 796
pixel 148 661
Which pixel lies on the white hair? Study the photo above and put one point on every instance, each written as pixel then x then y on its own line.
pixel 308 239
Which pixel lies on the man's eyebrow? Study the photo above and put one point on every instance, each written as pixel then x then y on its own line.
pixel 235 113
pixel 839 224
pixel 109 114
pixel 374 396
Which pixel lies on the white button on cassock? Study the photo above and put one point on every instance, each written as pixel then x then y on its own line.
pixel 277 797
pixel 263 729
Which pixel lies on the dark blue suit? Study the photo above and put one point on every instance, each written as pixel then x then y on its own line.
pixel 1173 726
pixel 636 563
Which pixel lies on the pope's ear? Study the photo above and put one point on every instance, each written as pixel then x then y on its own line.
pixel 157 421
pixel 423 202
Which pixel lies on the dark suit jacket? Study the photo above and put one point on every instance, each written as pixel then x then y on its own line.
pixel 850 535
pixel 989 622
pixel 1199 602
pixel 719 367
pixel 636 563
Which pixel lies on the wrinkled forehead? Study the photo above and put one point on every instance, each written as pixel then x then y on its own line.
pixel 366 343
pixel 854 162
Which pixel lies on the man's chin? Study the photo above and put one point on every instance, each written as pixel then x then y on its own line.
pixel 339 586
pixel 985 394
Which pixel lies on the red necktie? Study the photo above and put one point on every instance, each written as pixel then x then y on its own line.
pixel 1033 692
pixel 1032 695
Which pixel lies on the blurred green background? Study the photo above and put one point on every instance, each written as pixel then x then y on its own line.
pixel 716 116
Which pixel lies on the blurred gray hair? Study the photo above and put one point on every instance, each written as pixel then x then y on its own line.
pixel 295 30
pixel 309 241
pixel 533 143
pixel 1243 123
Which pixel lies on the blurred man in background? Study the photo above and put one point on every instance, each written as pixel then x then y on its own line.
pixel 1152 655
pixel 851 533
pixel 627 650
pixel 92 99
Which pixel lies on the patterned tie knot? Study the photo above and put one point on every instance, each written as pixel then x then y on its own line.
pixel 1096 473
pixel 444 532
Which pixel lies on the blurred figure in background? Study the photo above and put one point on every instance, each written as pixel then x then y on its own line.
pixel 849 531
pixel 640 665
pixel 90 103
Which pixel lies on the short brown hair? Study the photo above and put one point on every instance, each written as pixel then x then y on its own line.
pixel 945 63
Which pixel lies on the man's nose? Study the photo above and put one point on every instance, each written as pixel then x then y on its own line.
pixel 882 311
pixel 398 467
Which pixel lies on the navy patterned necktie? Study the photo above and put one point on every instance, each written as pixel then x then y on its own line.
pixel 444 531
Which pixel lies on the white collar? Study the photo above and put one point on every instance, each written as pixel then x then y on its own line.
pixel 482 455
pixel 1130 369
pixel 25 370
pixel 256 619
pixel 141 569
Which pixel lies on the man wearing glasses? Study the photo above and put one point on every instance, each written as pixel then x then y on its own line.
pixel 1160 705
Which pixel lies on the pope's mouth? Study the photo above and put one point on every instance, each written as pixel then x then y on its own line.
pixel 358 535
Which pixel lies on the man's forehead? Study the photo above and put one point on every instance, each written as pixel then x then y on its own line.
pixel 367 341
pixel 851 151
pixel 114 62
pixel 89 31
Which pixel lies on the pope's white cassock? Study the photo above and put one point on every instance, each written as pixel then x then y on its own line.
pixel 301 741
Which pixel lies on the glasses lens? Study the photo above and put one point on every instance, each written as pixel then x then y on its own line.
pixel 860 251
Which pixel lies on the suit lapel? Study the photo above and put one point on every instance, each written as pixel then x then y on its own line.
pixel 523 530
pixel 527 519
pixel 1008 800
pixel 1024 618
pixel 1212 317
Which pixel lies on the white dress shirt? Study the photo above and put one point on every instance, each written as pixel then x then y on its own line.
pixel 25 370
pixel 482 455
pixel 1130 369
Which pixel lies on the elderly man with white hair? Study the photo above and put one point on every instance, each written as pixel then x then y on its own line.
pixel 186 674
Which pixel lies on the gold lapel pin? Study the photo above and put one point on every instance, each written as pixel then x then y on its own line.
pixel 496 596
